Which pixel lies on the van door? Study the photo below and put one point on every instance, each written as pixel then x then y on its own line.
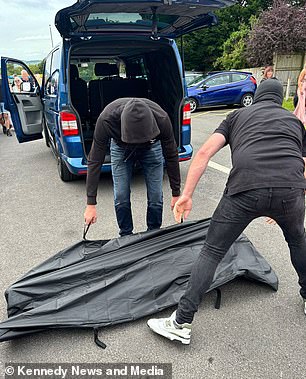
pixel 159 18
pixel 50 90
pixel 216 90
pixel 21 93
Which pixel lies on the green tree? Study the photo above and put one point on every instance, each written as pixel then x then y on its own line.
pixel 280 29
pixel 204 47
pixel 10 69
pixel 41 67
pixel 234 55
pixel 36 68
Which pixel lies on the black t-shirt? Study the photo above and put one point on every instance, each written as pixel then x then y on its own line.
pixel 267 144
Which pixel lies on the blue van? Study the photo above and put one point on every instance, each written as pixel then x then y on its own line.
pixel 109 49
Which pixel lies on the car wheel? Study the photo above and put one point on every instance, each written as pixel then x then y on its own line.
pixel 247 100
pixel 193 104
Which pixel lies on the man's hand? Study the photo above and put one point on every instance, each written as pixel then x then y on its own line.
pixel 270 221
pixel 90 214
pixel 173 201
pixel 182 208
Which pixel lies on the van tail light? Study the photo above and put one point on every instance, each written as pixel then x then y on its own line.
pixel 253 80
pixel 186 114
pixel 69 124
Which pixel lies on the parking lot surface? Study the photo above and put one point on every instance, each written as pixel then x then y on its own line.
pixel 257 333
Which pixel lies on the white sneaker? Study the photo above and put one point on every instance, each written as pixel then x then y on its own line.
pixel 169 328
pixel 304 302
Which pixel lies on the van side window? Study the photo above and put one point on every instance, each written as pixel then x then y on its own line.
pixel 51 87
pixel 47 71
pixel 55 65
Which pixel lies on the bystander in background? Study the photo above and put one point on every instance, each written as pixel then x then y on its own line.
pixel 300 110
pixel 268 73
pixel 5 117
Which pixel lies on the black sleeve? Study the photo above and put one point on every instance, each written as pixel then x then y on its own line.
pixel 223 128
pixel 304 142
pixel 96 159
pixel 170 153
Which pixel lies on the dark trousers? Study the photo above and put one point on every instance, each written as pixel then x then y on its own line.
pixel 285 205
pixel 152 163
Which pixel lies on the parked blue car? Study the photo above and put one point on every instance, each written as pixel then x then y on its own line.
pixel 109 49
pixel 222 88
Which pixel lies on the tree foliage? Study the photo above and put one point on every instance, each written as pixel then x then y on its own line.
pixel 15 69
pixel 234 49
pixel 202 48
pixel 36 68
pixel 280 29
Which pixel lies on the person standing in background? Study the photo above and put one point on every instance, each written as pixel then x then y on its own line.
pixel 26 78
pixel 300 110
pixel 5 117
pixel 17 87
pixel 268 74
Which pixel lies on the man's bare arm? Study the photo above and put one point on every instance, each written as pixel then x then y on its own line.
pixel 197 168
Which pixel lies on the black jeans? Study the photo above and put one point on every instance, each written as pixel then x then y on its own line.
pixel 285 205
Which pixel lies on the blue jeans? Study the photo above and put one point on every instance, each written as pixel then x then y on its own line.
pixel 123 161
pixel 285 205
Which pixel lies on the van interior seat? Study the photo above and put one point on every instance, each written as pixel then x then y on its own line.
pixel 102 92
pixel 78 93
pixel 106 71
pixel 110 71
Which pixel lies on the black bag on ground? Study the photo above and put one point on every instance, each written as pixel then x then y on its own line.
pixel 99 283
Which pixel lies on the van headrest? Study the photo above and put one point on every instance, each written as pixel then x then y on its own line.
pixel 106 69
pixel 74 72
pixel 134 70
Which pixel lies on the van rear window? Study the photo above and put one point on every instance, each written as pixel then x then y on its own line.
pixel 100 20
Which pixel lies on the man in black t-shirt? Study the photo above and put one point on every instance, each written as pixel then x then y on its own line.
pixel 268 146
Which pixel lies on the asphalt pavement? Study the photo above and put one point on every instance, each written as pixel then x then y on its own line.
pixel 257 333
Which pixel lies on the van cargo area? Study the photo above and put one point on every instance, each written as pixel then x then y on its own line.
pixel 103 70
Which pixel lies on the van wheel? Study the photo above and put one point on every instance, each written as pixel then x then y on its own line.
pixel 246 100
pixel 46 133
pixel 63 171
pixel 193 104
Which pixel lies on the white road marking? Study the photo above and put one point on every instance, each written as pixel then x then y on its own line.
pixel 216 112
pixel 219 167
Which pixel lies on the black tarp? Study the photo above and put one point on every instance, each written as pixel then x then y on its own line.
pixel 99 283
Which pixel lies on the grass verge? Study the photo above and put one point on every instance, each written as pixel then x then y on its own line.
pixel 288 104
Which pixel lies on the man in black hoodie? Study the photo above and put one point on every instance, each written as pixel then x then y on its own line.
pixel 268 146
pixel 138 130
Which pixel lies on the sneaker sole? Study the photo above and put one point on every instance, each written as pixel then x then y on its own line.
pixel 168 335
